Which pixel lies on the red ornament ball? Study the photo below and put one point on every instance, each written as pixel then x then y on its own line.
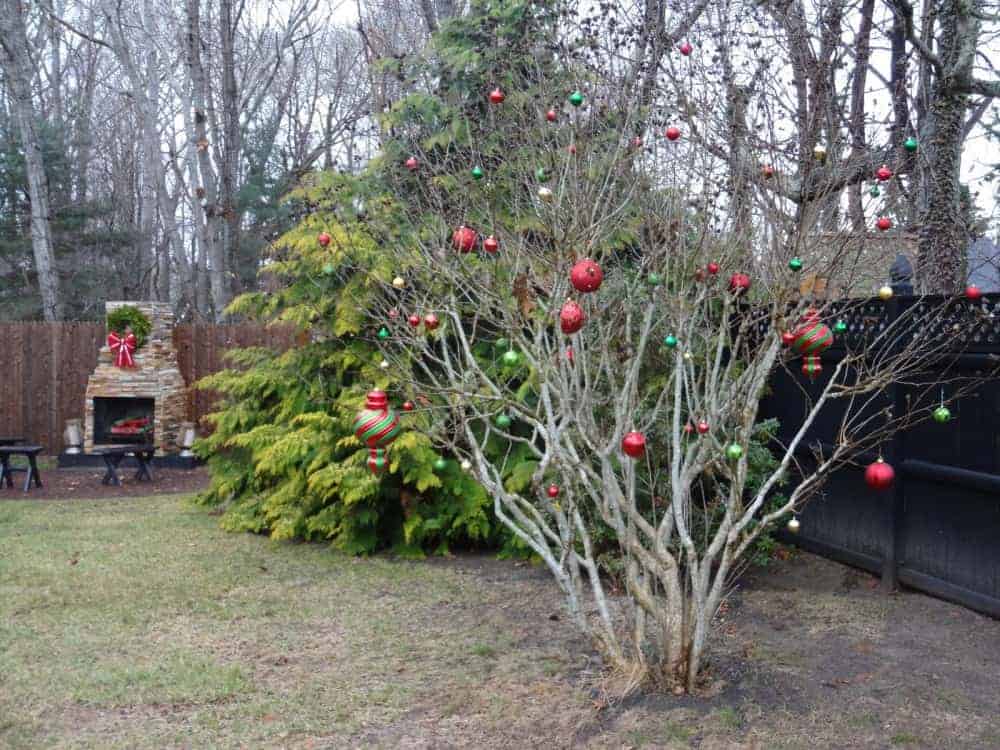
pixel 884 223
pixel 551 115
pixel 688 428
pixel 464 239
pixel 408 406
pixel 768 171
pixel 634 444
pixel 412 164
pixel 879 475
pixel 414 321
pixel 673 133
pixel 553 491
pixel 323 239
pixel 703 427
pixel 431 321
pixel 491 244
pixel 973 292
pixel 497 96
pixel 586 276
pixel 569 354
pixel 883 173
pixel 739 283
pixel 713 268
pixel 787 338
pixel 571 148
pixel 685 48
pixel 571 317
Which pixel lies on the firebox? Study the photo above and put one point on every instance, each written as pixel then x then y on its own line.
pixel 123 420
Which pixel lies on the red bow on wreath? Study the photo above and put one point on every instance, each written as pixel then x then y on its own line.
pixel 122 347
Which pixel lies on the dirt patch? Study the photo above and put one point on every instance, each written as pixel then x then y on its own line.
pixel 807 653
pixel 63 484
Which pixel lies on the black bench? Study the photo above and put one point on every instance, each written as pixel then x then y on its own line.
pixel 114 454
pixel 7 471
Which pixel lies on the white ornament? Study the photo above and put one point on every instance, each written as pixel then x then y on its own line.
pixel 545 195
pixel 793 525
pixel 466 464
pixel 384 364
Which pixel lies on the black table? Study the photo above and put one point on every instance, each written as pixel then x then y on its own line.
pixel 114 454
pixel 11 441
pixel 7 471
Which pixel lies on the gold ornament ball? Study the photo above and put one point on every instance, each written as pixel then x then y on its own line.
pixel 545 195
pixel 687 356
pixel 820 153
pixel 794 525
pixel 885 293
pixel 399 282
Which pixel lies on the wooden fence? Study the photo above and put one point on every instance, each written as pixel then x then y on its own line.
pixel 44 369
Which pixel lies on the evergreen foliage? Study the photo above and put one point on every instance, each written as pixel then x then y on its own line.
pixel 283 457
pixel 92 251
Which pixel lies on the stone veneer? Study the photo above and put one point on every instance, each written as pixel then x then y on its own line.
pixel 156 375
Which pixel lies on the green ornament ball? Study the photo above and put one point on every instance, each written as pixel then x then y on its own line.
pixel 502 343
pixel 670 341
pixel 874 192
pixel 942 414
pixel 477 173
pixel 328 268
pixel 503 421
pixel 576 98
pixel 383 333
pixel 910 144
pixel 795 264
pixel 840 327
pixel 654 279
pixel 510 357
pixel 541 174
pixel 734 452
pixel 440 464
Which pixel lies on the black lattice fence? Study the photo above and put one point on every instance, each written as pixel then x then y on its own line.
pixel 938 528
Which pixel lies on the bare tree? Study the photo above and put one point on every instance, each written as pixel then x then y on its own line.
pixel 17 67
pixel 627 335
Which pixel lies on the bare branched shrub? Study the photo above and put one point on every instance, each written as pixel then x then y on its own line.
pixel 676 344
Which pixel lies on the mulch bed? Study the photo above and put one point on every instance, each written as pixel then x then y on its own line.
pixel 59 484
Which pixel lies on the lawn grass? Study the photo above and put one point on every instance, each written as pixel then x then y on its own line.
pixel 137 623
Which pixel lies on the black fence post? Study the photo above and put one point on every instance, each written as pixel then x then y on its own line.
pixel 896 500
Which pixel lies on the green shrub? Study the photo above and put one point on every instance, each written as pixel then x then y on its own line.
pixel 283 456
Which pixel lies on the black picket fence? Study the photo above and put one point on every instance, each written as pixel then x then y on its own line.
pixel 938 528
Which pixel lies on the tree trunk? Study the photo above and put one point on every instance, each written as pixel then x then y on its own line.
pixel 17 70
pixel 944 235
pixel 151 168
pixel 214 253
pixel 232 145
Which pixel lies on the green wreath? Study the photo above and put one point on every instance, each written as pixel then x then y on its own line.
pixel 130 315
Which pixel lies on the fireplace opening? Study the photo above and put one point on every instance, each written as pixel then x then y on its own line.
pixel 123 420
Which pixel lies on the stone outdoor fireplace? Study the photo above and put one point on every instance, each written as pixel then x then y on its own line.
pixel 144 404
